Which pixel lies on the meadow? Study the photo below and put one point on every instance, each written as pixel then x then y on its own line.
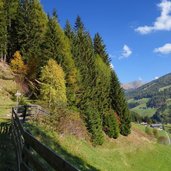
pixel 137 152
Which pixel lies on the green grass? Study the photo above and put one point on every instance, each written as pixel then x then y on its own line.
pixel 133 153
pixel 142 109
pixel 163 88
pixel 7 88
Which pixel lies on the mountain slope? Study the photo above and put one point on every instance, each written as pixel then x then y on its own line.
pixel 156 87
pixel 153 98
pixel 8 87
pixel 132 85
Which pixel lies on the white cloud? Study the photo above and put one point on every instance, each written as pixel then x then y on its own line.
pixel 111 66
pixel 165 49
pixel 156 78
pixel 126 52
pixel 163 22
pixel 140 79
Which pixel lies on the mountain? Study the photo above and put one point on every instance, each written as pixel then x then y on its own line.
pixel 159 86
pixel 132 85
pixel 152 99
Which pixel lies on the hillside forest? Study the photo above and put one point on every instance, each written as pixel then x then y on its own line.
pixel 153 100
pixel 63 69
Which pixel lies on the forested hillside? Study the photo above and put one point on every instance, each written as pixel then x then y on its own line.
pixel 154 96
pixel 63 69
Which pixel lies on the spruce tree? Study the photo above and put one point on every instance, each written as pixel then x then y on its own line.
pixel 119 105
pixel 94 125
pixel 32 23
pixel 84 56
pixel 111 126
pixel 102 86
pixel 68 31
pixel 100 48
pixel 11 9
pixel 57 46
pixel 85 62
pixel 3 31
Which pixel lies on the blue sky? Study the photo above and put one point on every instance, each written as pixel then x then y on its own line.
pixel 137 33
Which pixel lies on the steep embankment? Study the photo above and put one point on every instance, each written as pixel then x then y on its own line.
pixel 7 89
pixel 152 98
pixel 138 151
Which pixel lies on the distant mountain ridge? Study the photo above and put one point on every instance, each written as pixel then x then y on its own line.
pixel 132 85
pixel 152 88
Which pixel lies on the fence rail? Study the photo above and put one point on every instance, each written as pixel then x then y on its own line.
pixel 27 148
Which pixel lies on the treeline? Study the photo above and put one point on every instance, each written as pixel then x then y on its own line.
pixel 64 66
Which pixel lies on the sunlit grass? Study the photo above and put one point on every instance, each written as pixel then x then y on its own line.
pixel 133 153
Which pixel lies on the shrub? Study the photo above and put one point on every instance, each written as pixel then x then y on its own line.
pixel 155 133
pixel 148 130
pixel 162 140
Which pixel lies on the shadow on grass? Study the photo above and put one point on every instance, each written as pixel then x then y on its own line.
pixel 7 153
pixel 49 141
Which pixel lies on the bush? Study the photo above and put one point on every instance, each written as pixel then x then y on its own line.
pixel 162 140
pixel 155 133
pixel 148 130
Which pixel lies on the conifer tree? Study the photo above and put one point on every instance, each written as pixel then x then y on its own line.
pixel 68 31
pixel 32 23
pixel 111 126
pixel 102 87
pixel 57 46
pixel 94 124
pixel 53 89
pixel 85 62
pixel 100 48
pixel 119 105
pixel 17 64
pixel 11 8
pixel 84 56
pixel 3 31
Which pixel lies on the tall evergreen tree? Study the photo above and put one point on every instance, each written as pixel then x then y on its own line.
pixel 3 31
pixel 119 104
pixel 68 30
pixel 32 23
pixel 84 56
pixel 57 46
pixel 11 8
pixel 100 48
pixel 111 126
pixel 102 87
pixel 85 61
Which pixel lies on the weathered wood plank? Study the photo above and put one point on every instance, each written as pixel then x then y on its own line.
pixel 48 155
pixel 55 161
pixel 28 157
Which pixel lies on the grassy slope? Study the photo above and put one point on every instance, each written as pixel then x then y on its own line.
pixel 7 86
pixel 137 152
pixel 141 109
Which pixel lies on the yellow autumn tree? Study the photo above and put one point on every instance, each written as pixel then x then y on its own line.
pixel 53 89
pixel 17 64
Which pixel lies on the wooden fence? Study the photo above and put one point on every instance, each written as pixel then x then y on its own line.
pixel 31 154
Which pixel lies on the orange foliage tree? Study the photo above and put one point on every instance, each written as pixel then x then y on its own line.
pixel 17 64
